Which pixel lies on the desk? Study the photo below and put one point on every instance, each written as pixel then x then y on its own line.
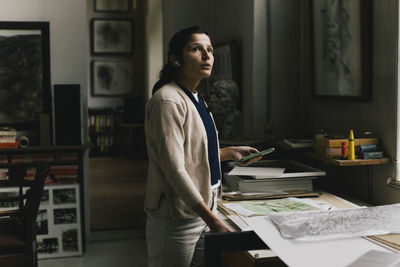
pixel 335 202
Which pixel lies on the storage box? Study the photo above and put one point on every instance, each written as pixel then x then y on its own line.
pixel 325 142
pixel 329 152
pixel 331 148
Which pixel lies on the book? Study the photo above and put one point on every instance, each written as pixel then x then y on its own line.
pixel 372 155
pixel 9 145
pixel 371 151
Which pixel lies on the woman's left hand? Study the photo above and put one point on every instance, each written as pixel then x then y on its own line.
pixel 236 153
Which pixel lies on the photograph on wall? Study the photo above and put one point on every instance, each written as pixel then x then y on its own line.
pixel 64 196
pixel 9 192
pixel 48 245
pixel 340 50
pixel 42 222
pixel 112 5
pixel 111 78
pixel 44 200
pixel 24 75
pixel 64 216
pixel 70 240
pixel 111 36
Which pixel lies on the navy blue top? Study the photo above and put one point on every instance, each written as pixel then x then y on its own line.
pixel 212 143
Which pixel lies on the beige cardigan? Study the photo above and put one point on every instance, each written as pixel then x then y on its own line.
pixel 178 158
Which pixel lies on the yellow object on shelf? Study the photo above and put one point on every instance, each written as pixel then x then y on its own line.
pixel 351 150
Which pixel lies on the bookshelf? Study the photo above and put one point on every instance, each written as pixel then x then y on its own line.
pixel 65 182
pixel 101 124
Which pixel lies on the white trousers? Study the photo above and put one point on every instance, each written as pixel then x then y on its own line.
pixel 175 243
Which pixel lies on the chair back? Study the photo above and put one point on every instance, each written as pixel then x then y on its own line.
pixel 19 225
pixel 33 197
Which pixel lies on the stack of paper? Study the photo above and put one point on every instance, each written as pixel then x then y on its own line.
pixel 249 184
pixel 271 175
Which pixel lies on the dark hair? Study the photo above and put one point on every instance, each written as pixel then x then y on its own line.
pixel 175 47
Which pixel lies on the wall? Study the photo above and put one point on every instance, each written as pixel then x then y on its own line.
pixel 178 14
pixel 378 116
pixel 154 43
pixel 68 47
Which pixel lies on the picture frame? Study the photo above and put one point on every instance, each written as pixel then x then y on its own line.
pixel 112 6
pixel 111 78
pixel 111 36
pixel 226 61
pixel 224 92
pixel 341 50
pixel 25 89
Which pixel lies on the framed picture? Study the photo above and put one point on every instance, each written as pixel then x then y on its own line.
pixel 112 5
pixel 111 36
pixel 111 78
pixel 226 62
pixel 341 50
pixel 25 72
pixel 224 92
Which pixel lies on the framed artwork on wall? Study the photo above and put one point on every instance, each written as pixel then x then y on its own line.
pixel 111 77
pixel 112 5
pixel 224 94
pixel 25 72
pixel 341 50
pixel 111 36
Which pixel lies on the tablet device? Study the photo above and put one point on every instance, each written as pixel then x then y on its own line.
pixel 254 155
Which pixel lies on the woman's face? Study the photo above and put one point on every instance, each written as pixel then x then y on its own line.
pixel 197 57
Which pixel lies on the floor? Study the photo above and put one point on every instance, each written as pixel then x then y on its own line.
pixel 117 189
pixel 123 248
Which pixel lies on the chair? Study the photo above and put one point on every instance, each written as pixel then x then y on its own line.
pixel 18 226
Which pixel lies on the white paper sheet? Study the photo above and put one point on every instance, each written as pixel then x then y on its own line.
pixel 263 207
pixel 257 172
pixel 329 253
pixel 375 258
pixel 318 225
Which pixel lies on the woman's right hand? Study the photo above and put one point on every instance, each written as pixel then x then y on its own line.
pixel 213 222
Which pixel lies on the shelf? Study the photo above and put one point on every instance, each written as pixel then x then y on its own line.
pixel 45 149
pixel 344 163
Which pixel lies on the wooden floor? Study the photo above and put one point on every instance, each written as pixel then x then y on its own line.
pixel 117 188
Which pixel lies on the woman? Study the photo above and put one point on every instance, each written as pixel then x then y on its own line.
pixel 184 156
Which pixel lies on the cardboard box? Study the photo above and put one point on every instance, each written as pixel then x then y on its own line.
pixel 329 152
pixel 324 142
